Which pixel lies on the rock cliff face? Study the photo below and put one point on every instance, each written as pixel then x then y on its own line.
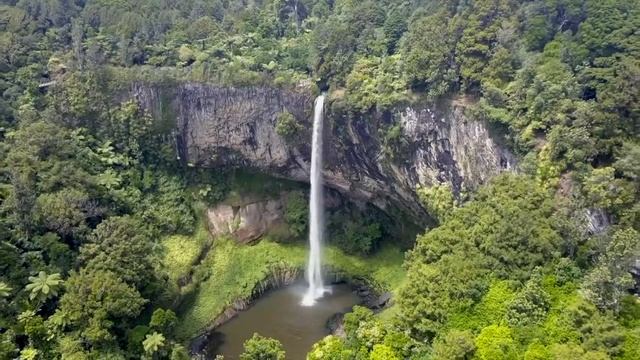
pixel 236 127
pixel 247 222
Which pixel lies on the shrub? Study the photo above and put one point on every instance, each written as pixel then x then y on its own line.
pixel 262 348
pixel 297 213
pixel 287 126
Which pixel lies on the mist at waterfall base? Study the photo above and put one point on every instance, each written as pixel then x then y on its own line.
pixel 316 211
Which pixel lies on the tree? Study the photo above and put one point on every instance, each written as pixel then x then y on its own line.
pixel 153 343
pixel 163 320
pixel 506 231
pixel 95 303
pixel 530 305
pixel 430 60
pixel 628 162
pixel 376 82
pixel 610 279
pixel 129 126
pixel 605 191
pixel 121 245
pixel 394 27
pixel 29 353
pixel 178 352
pixel 383 352
pixel 438 200
pixel 597 331
pixel 454 345
pixel 358 316
pixel 262 348
pixel 330 348
pixel 479 35
pixel 536 351
pixel 65 212
pixel 44 286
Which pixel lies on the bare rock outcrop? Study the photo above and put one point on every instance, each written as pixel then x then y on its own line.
pixel 247 222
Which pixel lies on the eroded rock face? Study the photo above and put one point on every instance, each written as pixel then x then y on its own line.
pixel 217 126
pixel 247 222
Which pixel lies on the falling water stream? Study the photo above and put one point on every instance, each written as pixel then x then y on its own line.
pixel 316 211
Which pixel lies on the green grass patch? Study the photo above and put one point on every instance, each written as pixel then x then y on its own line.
pixel 235 270
pixel 180 252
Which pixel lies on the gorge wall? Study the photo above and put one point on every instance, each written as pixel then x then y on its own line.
pixel 218 126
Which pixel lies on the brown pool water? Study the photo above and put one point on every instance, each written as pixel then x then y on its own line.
pixel 279 314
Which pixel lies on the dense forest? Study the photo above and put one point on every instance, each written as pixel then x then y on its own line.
pixel 90 183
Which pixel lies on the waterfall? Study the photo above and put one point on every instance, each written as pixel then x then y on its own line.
pixel 316 211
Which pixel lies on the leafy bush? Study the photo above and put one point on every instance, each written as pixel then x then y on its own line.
pixel 357 237
pixel 496 342
pixel 262 348
pixel 530 305
pixel 438 200
pixel 455 345
pixel 296 213
pixel 376 83
pixel 287 126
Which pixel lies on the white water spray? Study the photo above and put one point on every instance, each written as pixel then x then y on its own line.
pixel 316 211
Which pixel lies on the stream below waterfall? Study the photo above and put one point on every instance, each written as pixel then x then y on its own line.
pixel 279 314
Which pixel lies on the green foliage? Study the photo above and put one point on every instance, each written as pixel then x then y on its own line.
pixel 367 337
pixel 163 320
pixel 628 162
pixel 505 230
pixel 630 311
pixel 153 343
pixel 43 286
pixel 287 126
pixel 605 191
pixel 496 342
pixel 94 305
pixel 609 280
pixel 262 348
pixel 537 351
pixel 631 350
pixel 296 213
pixel 438 200
pixel 430 60
pixel 454 345
pixel 478 39
pixel 330 348
pixel 88 181
pixel 376 82
pixel 167 205
pixel 135 337
pixel 181 252
pixel 64 212
pixel 129 127
pixel 530 305
pixel 5 290
pixel 383 352
pixel 394 143
pixel 357 236
pixel 121 245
